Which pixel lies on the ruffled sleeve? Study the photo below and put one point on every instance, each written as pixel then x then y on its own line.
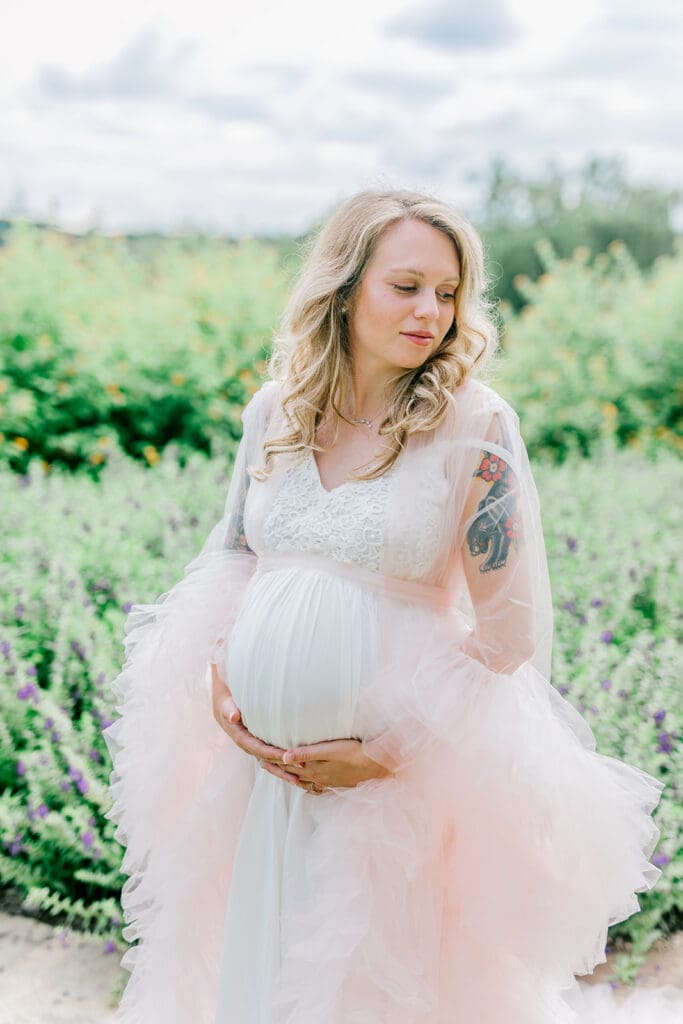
pixel 173 766
pixel 502 552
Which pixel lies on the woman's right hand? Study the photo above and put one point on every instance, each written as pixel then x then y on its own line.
pixel 228 716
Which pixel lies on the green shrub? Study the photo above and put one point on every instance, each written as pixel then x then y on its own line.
pixel 101 350
pixel 597 353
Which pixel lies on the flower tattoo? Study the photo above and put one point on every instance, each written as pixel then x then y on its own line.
pixel 497 526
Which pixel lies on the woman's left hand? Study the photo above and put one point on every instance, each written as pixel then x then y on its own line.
pixel 332 763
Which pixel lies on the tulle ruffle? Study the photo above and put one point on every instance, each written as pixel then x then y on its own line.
pixel 472 884
pixel 179 789
pixel 480 878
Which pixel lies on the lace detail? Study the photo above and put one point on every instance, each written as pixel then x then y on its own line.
pixel 419 532
pixel 346 523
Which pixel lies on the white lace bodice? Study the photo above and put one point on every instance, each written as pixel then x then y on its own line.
pixel 349 523
pixel 346 523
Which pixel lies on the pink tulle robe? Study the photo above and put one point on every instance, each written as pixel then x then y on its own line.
pixel 473 883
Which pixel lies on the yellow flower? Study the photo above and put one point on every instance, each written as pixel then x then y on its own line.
pixel 21 443
pixel 582 252
pixel 519 280
pixel 616 246
pixel 3 386
pixel 151 454
pixel 177 379
pixel 609 410
pixel 96 458
pixel 112 389
pixel 104 442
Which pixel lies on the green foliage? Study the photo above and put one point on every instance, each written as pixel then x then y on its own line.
pixel 590 208
pixel 105 348
pixel 596 357
pixel 78 552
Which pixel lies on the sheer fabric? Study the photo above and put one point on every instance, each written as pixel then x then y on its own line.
pixel 478 879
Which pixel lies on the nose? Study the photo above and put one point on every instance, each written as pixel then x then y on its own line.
pixel 426 304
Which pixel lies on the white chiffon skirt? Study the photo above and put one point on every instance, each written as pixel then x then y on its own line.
pixel 303 645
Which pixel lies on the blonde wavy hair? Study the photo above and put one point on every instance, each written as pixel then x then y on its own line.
pixel 311 353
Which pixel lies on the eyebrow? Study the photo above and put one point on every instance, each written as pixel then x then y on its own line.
pixel 418 273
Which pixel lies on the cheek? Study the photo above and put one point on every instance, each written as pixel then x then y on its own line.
pixel 446 320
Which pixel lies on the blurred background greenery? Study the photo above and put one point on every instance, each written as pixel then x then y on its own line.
pixel 125 363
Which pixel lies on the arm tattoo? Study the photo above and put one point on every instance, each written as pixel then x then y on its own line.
pixel 496 525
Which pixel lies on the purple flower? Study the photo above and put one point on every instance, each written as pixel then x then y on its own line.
pixel 94 755
pixel 82 786
pixel 660 860
pixel 110 946
pixel 21 768
pixel 55 736
pixel 596 602
pixel 75 774
pixel 100 678
pixel 24 692
pixel 593 709
pixel 19 610
pixel 87 839
pixel 32 670
pixel 664 744
pixel 583 619
pixel 569 606
pixel 91 820
pixel 15 848
pixel 606 684
pixel 65 784
pixel 659 716
pixel 77 649
pixel 623 694
pixel 49 722
pixel 31 813
pixel 607 636
pixel 572 543
pixel 43 810
pixel 5 647
pixel 564 690
pixel 127 606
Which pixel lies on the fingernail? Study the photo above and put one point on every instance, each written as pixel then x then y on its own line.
pixel 234 716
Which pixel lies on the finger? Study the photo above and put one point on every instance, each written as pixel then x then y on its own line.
pixel 298 756
pixel 274 769
pixel 253 745
pixel 230 711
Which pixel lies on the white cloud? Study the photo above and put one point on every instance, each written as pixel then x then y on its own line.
pixel 256 118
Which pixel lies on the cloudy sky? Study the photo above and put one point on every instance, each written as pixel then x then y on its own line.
pixel 257 116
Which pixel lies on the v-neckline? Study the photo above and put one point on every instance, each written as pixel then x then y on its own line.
pixel 321 485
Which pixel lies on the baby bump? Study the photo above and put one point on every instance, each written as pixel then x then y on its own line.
pixel 302 647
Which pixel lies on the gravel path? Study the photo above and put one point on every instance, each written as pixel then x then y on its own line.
pixel 48 977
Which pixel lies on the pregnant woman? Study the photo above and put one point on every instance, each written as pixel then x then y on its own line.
pixel 348 790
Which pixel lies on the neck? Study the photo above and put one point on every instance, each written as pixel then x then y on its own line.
pixel 370 389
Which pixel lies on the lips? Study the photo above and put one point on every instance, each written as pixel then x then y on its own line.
pixel 419 337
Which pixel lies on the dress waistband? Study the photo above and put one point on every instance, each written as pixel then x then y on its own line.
pixel 394 586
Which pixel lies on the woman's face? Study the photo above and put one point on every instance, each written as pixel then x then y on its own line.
pixel 405 303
